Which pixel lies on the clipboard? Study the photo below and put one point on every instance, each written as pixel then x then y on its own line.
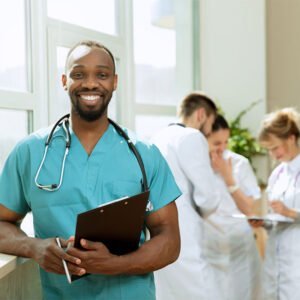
pixel 117 224
pixel 272 217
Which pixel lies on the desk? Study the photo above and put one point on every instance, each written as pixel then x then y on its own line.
pixel 19 277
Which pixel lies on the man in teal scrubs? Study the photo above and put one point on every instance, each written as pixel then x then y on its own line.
pixel 99 168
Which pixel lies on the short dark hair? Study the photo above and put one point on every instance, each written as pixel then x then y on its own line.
pixel 220 123
pixel 196 100
pixel 91 44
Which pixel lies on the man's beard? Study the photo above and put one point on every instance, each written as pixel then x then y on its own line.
pixel 91 115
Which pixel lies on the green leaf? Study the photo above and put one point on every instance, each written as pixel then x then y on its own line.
pixel 241 140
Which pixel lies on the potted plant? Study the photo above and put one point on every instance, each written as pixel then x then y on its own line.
pixel 241 140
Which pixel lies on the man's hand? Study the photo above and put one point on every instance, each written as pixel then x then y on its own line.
pixel 96 258
pixel 162 248
pixel 49 256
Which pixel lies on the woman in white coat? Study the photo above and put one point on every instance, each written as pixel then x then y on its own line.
pixel 280 134
pixel 230 243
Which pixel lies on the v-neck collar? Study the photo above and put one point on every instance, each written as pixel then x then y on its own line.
pixel 104 143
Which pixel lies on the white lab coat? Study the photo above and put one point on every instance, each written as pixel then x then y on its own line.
pixel 190 277
pixel 282 259
pixel 229 243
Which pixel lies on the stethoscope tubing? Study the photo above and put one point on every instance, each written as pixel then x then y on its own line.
pixel 65 124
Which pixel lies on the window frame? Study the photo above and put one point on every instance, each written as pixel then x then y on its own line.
pixel 44 34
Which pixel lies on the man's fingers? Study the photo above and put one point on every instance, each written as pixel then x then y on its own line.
pixel 76 270
pixel 57 267
pixel 62 253
pixel 89 245
pixel 63 242
pixel 69 258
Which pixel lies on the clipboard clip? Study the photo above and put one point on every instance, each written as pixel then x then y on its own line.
pixel 149 206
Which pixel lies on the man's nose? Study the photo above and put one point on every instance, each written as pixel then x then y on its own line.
pixel 90 82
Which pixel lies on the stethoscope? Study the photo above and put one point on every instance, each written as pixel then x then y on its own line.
pixel 64 122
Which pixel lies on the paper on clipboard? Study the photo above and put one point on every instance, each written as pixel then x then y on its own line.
pixel 268 217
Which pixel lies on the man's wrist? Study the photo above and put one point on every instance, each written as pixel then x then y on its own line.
pixel 30 246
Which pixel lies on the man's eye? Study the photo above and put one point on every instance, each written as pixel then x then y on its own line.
pixel 77 75
pixel 102 75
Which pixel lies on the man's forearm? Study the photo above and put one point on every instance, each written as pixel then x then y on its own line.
pixel 13 240
pixel 153 255
pixel 162 249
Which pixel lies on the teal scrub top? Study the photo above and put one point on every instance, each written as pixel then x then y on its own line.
pixel 111 171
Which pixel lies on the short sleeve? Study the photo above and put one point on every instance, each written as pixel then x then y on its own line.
pixel 163 188
pixel 11 183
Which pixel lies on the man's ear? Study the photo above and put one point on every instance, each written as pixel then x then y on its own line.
pixel 201 114
pixel 115 82
pixel 64 81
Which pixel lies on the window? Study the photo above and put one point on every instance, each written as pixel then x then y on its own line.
pixel 63 100
pixel 163 68
pixel 98 15
pixel 153 76
pixel 13 66
pixel 18 124
pixel 154 56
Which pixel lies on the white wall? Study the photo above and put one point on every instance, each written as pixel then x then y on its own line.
pixel 233 62
pixel 233 55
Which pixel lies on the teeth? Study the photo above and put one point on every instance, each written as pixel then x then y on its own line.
pixel 90 97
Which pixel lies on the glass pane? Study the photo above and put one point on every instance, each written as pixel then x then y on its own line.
pixel 17 123
pixel 13 73
pixel 64 101
pixel 147 126
pixel 63 98
pixel 98 15
pixel 154 53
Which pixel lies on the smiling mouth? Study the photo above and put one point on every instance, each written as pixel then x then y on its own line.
pixel 90 98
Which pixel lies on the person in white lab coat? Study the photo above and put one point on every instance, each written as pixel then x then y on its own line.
pixel 229 243
pixel 186 150
pixel 280 134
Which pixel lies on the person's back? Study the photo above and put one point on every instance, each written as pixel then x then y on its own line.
pixel 186 151
pixel 177 143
